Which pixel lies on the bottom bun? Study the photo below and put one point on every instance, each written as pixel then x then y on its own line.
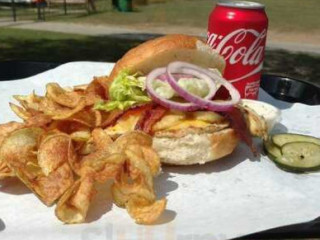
pixel 195 148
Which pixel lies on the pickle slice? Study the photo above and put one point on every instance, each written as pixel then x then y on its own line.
pixel 302 155
pixel 272 150
pixel 282 139
pixel 294 155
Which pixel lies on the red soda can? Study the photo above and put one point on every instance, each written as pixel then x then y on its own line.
pixel 238 31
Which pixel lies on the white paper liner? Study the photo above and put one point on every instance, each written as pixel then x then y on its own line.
pixel 232 197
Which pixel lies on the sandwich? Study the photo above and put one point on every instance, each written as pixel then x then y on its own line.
pixel 167 87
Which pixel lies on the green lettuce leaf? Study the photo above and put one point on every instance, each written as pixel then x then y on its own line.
pixel 125 91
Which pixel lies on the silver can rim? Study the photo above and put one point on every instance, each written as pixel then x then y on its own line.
pixel 241 4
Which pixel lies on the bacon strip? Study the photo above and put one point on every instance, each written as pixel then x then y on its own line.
pixel 239 124
pixel 115 115
pixel 143 118
pixel 149 118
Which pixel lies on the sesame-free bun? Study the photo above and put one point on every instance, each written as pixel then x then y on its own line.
pixel 191 145
pixel 159 52
pixel 195 148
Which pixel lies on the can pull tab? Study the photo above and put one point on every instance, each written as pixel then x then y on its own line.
pixel 241 4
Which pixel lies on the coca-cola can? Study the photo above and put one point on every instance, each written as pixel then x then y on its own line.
pixel 238 31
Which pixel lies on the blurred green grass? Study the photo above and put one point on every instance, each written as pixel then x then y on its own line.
pixel 29 45
pixel 284 15
pixel 41 46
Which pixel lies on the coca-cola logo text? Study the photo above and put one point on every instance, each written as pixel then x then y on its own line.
pixel 227 47
pixel 232 47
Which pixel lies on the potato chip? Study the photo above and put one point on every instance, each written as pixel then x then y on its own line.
pixel 38 120
pixel 119 197
pixel 73 159
pixel 61 150
pixel 30 102
pixel 130 182
pixel 95 91
pixel 67 126
pixel 138 167
pixel 7 128
pixel 57 111
pixel 98 118
pixel 61 96
pixel 122 192
pixel 101 139
pixel 97 147
pixel 20 112
pixel 133 187
pixel 81 87
pixel 5 171
pixel 93 153
pixel 50 188
pixel 130 138
pixel 26 178
pixel 74 204
pixel 145 213
pixel 105 168
pixel 33 169
pixel 9 152
pixel 48 133
pixel 17 149
pixel 148 155
pixel 86 116
pixel 47 188
pixel 86 148
pixel 53 152
pixel 81 136
pixel 3 167
pixel 104 81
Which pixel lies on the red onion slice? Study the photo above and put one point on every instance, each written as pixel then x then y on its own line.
pixel 162 101
pixel 187 68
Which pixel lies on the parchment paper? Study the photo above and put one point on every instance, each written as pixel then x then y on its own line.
pixel 234 196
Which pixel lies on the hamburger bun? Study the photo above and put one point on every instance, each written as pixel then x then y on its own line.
pixel 195 148
pixel 163 50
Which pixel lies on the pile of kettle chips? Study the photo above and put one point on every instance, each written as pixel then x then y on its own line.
pixel 60 151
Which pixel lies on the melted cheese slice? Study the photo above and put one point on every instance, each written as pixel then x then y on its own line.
pixel 180 120
pixel 189 123
pixel 171 121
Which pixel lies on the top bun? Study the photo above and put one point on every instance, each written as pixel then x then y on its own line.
pixel 159 52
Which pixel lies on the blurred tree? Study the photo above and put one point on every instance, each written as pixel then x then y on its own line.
pixel 92 5
pixel 115 4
